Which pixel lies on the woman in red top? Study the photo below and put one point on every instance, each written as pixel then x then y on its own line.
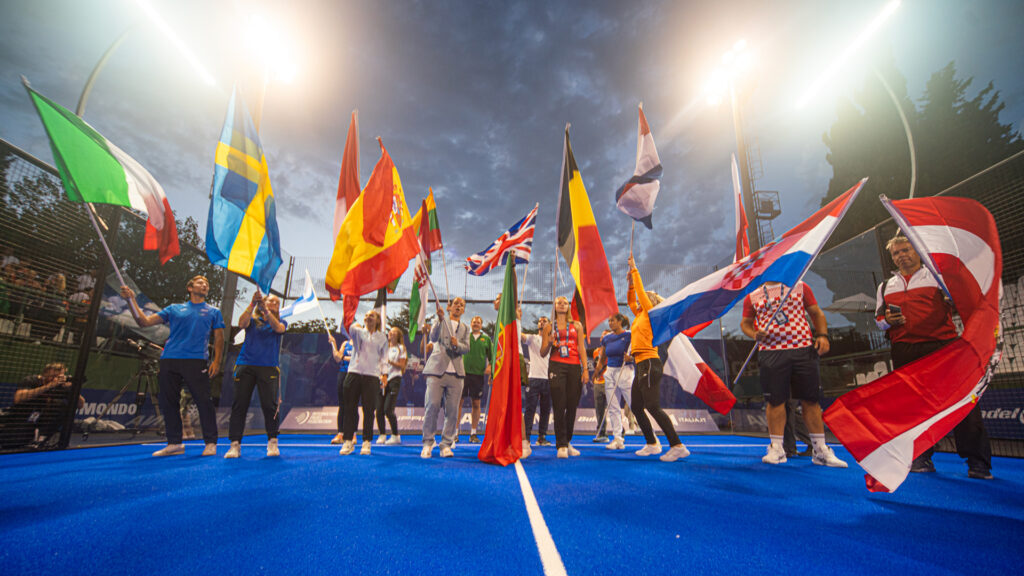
pixel 567 367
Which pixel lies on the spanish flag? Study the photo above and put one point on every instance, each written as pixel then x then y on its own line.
pixel 241 230
pixel 360 264
pixel 580 245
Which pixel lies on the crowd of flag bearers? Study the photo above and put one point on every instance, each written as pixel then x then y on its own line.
pixel 375 237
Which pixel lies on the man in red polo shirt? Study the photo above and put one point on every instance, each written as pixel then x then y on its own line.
pixel 918 320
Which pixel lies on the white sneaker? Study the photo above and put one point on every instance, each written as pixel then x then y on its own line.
pixel 382 439
pixel 446 452
pixel 562 453
pixel 272 449
pixel 427 450
pixel 649 450
pixel 573 451
pixel 395 440
pixel 210 450
pixel 347 448
pixel 675 453
pixel 775 455
pixel 235 451
pixel 527 450
pixel 365 450
pixel 616 444
pixel 828 458
pixel 170 450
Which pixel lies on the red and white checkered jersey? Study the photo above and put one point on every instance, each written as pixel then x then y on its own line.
pixel 790 330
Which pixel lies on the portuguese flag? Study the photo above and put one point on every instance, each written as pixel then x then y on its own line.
pixel 503 440
pixel 94 170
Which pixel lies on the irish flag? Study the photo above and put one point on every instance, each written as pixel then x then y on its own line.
pixel 94 170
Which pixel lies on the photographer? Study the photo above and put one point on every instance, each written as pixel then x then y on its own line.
pixel 40 405
pixel 918 320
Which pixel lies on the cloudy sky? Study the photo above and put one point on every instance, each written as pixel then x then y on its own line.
pixel 471 98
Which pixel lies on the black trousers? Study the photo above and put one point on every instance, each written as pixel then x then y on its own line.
pixel 647 396
pixel 193 374
pixel 385 407
pixel 566 387
pixel 267 381
pixel 971 438
pixel 360 386
pixel 341 400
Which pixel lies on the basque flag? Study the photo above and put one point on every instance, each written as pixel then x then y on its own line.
pixel 696 377
pixel 892 420
pixel 784 260
pixel 518 240
pixel 636 197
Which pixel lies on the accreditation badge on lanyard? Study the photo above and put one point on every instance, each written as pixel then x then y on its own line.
pixel 563 348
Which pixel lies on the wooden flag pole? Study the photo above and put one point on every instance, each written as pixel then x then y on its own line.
pixel 444 263
pixel 631 231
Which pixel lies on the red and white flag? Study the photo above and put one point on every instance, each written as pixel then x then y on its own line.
pixel 696 377
pixel 889 422
pixel 348 180
pixel 742 243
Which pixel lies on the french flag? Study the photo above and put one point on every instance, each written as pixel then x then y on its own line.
pixel 636 197
pixel 784 260
pixel 693 374
pixel 892 420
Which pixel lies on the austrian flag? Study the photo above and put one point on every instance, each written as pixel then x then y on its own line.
pixel 889 422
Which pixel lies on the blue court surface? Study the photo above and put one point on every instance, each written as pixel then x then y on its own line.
pixel 116 510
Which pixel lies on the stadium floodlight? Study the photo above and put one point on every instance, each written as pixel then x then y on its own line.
pixel 859 41
pixel 160 23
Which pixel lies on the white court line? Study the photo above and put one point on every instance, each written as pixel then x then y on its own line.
pixel 549 556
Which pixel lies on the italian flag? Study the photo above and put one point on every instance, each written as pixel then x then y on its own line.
pixel 94 170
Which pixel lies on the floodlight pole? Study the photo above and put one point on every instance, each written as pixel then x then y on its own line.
pixel 906 128
pixel 753 233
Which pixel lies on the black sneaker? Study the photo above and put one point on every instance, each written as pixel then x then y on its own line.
pixel 979 473
pixel 543 442
pixel 922 465
pixel 473 439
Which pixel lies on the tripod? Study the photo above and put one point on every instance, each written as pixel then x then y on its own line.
pixel 145 380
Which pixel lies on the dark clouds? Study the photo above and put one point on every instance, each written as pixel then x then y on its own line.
pixel 471 98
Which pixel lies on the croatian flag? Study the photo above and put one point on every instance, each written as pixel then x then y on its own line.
pixel 518 240
pixel 696 377
pixel 784 260
pixel 305 302
pixel 636 197
pixel 892 420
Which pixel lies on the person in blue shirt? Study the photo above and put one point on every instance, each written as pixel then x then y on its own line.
pixel 617 363
pixel 258 366
pixel 186 360
pixel 342 355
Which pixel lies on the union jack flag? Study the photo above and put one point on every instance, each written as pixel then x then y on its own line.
pixel 517 239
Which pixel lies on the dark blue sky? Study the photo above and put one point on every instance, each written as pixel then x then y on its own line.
pixel 471 98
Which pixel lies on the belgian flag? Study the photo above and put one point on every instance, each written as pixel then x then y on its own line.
pixel 580 245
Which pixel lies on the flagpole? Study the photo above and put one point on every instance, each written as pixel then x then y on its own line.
pixel 526 270
pixel 631 231
pixel 444 264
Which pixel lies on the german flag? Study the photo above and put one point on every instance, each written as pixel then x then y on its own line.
pixel 359 265
pixel 580 245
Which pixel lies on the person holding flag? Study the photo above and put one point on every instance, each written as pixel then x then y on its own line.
pixel 369 349
pixel 776 317
pixel 343 356
pixel 563 343
pixel 444 369
pixel 646 393
pixel 258 366
pixel 186 360
pixel 913 311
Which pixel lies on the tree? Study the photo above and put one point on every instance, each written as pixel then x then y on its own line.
pixel 955 138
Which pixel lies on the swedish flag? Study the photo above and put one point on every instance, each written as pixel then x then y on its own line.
pixel 241 231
